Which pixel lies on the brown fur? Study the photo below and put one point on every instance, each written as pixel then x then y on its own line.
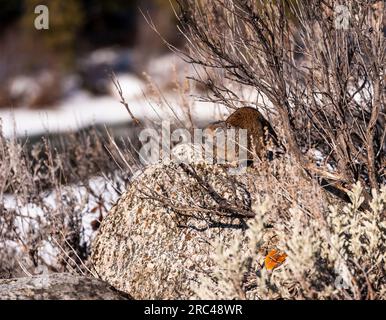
pixel 259 130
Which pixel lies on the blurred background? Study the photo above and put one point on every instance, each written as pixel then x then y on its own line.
pixel 68 66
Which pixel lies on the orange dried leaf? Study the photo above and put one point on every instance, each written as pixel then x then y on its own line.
pixel 274 259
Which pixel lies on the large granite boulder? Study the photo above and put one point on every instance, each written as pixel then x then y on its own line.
pixel 59 286
pixel 160 235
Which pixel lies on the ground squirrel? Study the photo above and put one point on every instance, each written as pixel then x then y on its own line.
pixel 260 132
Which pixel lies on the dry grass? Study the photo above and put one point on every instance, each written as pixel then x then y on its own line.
pixel 320 81
pixel 334 252
pixel 50 193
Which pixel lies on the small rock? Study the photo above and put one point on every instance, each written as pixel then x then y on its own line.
pixel 58 286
